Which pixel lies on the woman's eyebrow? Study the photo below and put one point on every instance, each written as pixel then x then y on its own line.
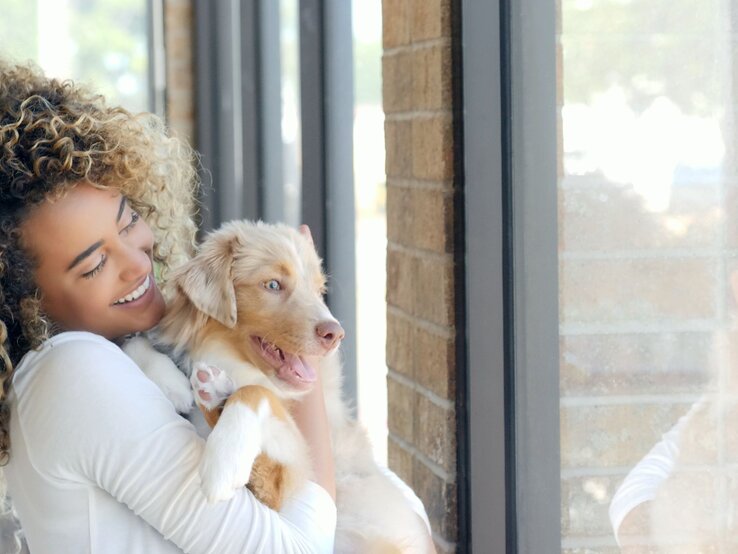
pixel 99 243
pixel 121 208
pixel 86 253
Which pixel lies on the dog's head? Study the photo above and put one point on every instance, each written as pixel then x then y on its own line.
pixel 264 283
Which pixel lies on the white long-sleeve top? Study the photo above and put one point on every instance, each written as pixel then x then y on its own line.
pixel 101 463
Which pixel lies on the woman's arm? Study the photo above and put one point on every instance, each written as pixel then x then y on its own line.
pixel 310 416
pixel 92 417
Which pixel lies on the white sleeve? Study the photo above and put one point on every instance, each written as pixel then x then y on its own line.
pixel 91 416
pixel 644 480
pixel 415 503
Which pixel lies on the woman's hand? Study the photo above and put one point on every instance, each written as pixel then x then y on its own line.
pixel 310 416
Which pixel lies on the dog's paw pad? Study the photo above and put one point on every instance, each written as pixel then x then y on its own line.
pixel 211 385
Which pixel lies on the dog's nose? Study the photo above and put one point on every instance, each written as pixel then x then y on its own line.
pixel 329 333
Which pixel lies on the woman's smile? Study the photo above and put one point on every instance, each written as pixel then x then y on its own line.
pixel 139 296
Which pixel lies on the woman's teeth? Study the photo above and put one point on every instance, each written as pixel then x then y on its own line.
pixel 136 293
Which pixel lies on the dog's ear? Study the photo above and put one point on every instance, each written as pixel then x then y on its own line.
pixel 207 280
pixel 305 232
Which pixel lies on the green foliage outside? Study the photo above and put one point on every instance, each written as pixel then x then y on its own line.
pixel 109 45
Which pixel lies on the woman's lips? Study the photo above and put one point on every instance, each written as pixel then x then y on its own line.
pixel 142 300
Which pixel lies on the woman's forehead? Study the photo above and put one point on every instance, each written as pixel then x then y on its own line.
pixel 71 221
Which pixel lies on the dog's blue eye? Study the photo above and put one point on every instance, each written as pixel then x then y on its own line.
pixel 273 285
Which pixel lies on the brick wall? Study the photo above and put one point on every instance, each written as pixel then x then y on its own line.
pixel 178 43
pixel 416 74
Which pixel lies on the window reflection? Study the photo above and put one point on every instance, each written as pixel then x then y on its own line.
pixel 647 239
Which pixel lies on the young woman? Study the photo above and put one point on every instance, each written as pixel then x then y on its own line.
pixel 95 207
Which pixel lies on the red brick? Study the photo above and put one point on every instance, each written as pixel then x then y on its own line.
pixel 439 498
pixel 401 345
pixel 398 148
pixel 400 460
pixel 395 23
pixel 435 366
pixel 401 268
pixel 434 295
pixel 435 433
pixel 431 19
pixel 431 77
pixel 432 147
pixel 401 409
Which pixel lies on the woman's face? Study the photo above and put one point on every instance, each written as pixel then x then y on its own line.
pixel 94 257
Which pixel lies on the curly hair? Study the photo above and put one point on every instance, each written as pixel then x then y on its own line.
pixel 54 135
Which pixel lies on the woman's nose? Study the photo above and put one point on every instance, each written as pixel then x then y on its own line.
pixel 135 264
pixel 135 251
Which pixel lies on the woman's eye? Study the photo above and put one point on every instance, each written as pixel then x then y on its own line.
pixel 97 269
pixel 273 285
pixel 134 219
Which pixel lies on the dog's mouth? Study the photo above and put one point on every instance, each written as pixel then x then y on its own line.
pixel 290 368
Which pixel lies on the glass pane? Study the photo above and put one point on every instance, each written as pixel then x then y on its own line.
pixel 648 259
pixel 291 129
pixel 102 43
pixel 371 224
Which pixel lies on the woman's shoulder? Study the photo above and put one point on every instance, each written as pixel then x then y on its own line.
pixel 68 343
pixel 84 380
pixel 70 356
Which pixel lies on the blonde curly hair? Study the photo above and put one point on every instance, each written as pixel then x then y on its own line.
pixel 54 135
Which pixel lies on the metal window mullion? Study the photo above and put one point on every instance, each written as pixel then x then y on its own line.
pixel 313 120
pixel 339 177
pixel 270 111
pixel 488 448
pixel 326 97
pixel 253 95
pixel 206 129
pixel 219 111
pixel 534 156
pixel 230 130
pixel 156 57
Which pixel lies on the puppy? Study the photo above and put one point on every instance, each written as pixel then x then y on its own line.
pixel 247 310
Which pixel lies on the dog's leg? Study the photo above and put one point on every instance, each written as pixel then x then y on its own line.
pixel 269 481
pixel 254 441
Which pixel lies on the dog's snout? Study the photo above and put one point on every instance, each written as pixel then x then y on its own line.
pixel 329 333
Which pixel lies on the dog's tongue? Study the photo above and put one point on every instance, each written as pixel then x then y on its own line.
pixel 296 372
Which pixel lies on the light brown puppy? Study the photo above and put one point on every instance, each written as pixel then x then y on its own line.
pixel 248 309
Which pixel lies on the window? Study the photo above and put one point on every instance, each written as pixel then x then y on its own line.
pixel 371 223
pixel 106 44
pixel 646 235
pixel 600 175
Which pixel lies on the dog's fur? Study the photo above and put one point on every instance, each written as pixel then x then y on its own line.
pixel 226 297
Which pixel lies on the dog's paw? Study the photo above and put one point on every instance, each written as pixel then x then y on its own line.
pixel 230 452
pixel 211 385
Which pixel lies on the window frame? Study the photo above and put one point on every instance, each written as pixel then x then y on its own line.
pixel 510 165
